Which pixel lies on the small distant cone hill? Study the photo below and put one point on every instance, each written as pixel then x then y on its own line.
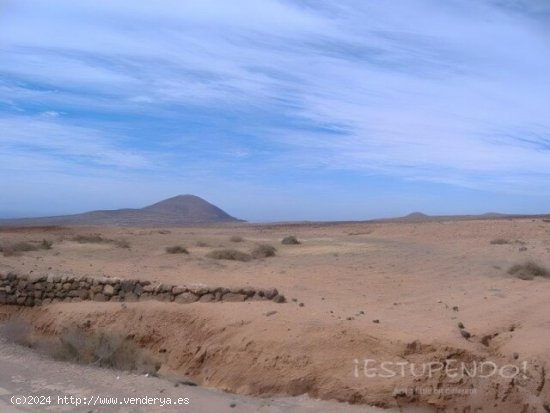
pixel 179 210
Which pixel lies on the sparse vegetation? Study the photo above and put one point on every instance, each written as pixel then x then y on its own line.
pixel 236 238
pixel 98 239
pixel 201 244
pixel 90 239
pixel 290 240
pixel 229 254
pixel 528 270
pixel 122 243
pixel 15 249
pixel 263 251
pixel 500 241
pixel 176 249
pixel 46 244
pixel 16 331
pixel 103 348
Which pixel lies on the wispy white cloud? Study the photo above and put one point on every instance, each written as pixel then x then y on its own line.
pixel 452 92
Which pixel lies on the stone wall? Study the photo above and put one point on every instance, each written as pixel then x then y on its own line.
pixel 31 290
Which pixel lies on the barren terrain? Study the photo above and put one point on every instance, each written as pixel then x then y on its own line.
pixel 387 291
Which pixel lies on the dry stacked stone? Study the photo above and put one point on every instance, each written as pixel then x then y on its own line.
pixel 25 290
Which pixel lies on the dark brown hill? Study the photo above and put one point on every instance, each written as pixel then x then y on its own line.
pixel 179 210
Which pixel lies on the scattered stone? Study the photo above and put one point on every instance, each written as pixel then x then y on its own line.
pixel 515 355
pixel 187 382
pixel 186 297
pixel 233 405
pixel 376 321
pixel 108 290
pixel 455 308
pixel 270 313
pixel 460 325
pixel 206 298
pixel 279 299
pixel 234 297
pixel 465 334
pixel 301 305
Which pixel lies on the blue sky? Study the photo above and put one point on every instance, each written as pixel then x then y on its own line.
pixel 276 109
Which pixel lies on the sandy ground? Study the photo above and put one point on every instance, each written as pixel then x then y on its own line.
pixel 390 292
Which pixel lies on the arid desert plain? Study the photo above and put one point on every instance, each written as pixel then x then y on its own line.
pixel 409 294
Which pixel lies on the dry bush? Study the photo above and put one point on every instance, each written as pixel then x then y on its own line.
pixel 16 331
pixel 90 239
pixel 236 238
pixel 102 348
pixel 98 239
pixel 122 243
pixel 229 254
pixel 17 248
pixel 290 240
pixel 46 244
pixel 176 249
pixel 500 241
pixel 263 251
pixel 201 244
pixel 528 270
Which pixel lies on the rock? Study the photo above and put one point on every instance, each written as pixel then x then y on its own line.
pixel 127 285
pixel 465 334
pixel 234 297
pixel 376 321
pixel 206 298
pixel 178 290
pixel 279 299
pixel 516 356
pixel 108 290
pixel 186 297
pixel 248 291
pixel 301 305
pixel 270 313
pixel 270 293
pixel 99 297
pixel 460 325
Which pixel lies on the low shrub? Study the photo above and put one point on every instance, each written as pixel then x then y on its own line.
pixel 528 270
pixel 500 241
pixel 46 244
pixel 17 248
pixel 236 238
pixel 263 251
pixel 176 249
pixel 229 254
pixel 98 239
pixel 290 240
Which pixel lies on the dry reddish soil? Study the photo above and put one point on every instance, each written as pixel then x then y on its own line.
pixel 390 292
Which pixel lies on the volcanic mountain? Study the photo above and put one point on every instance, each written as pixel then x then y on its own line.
pixel 179 210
